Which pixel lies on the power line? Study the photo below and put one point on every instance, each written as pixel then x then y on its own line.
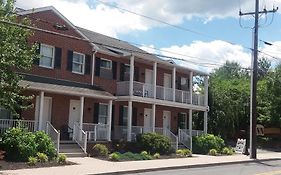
pixel 207 65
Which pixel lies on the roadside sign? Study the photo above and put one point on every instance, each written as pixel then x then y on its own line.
pixel 240 146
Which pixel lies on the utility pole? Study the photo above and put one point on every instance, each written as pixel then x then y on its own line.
pixel 253 107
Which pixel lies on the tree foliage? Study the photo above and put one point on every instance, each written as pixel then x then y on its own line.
pixel 15 55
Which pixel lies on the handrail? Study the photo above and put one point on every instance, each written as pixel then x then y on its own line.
pixel 50 130
pixel 30 125
pixel 184 138
pixel 80 136
pixel 172 136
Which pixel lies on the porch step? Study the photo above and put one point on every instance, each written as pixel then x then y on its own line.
pixel 72 150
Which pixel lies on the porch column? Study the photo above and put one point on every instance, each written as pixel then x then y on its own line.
pixel 206 85
pixel 109 118
pixel 81 115
pixel 41 109
pixel 132 67
pixel 129 127
pixel 153 117
pixel 154 79
pixel 174 83
pixel 190 127
pixel 191 86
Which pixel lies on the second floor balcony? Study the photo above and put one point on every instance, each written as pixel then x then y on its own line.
pixel 162 93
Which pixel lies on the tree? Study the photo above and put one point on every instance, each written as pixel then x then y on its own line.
pixel 15 55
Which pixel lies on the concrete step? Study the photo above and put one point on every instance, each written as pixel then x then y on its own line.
pixel 75 154
pixel 72 150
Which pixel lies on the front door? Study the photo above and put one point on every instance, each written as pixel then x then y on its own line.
pixel 74 114
pixel 47 111
pixel 148 88
pixel 166 122
pixel 147 126
pixel 168 92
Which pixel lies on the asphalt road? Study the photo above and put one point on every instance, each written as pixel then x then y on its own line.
pixel 257 168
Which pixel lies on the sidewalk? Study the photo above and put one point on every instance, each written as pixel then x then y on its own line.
pixel 95 166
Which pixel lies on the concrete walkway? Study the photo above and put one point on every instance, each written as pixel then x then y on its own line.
pixel 95 166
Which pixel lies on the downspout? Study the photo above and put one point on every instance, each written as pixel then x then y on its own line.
pixel 95 50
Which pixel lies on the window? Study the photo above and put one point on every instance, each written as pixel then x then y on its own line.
pixel 126 72
pixel 184 83
pixel 78 63
pixel 125 115
pixel 105 64
pixel 182 120
pixel 47 56
pixel 4 114
pixel 103 113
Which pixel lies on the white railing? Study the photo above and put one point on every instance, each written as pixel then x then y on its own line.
pixel 164 93
pixel 120 132
pixel 54 135
pixel 184 138
pixel 182 96
pixel 198 99
pixel 194 132
pixel 95 131
pixel 80 136
pixel 123 88
pixel 29 125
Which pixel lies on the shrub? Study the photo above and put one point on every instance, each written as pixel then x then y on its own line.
pixel 153 143
pixel 202 144
pixel 156 156
pixel 100 150
pixel 183 153
pixel 114 157
pixel 42 157
pixel 45 144
pixel 61 158
pixel 213 152
pixel 227 151
pixel 32 161
pixel 18 144
pixel 145 155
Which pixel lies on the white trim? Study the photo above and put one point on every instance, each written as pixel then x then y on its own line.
pixel 104 59
pixel 161 102
pixel 83 63
pixel 53 56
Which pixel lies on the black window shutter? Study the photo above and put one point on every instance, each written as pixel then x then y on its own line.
pixel 135 116
pixel 114 70
pixel 97 66
pixel 37 59
pixel 112 117
pixel 122 71
pixel 69 60
pixel 96 113
pixel 121 115
pixel 88 64
pixel 58 57
pixel 179 83
pixel 136 74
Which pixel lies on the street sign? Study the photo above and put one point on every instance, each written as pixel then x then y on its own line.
pixel 260 130
pixel 240 146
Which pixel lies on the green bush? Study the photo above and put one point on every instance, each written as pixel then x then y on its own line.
pixel 156 156
pixel 100 150
pixel 42 157
pixel 213 152
pixel 202 144
pixel 61 158
pixel 227 151
pixel 145 155
pixel 18 144
pixel 114 157
pixel 32 161
pixel 183 153
pixel 154 143
pixel 45 144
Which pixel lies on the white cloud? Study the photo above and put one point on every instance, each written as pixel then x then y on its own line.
pixel 208 55
pixel 272 52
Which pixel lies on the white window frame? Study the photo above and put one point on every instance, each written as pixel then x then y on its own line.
pixel 53 56
pixel 83 64
pixel 185 116
pixel 104 59
pixel 104 104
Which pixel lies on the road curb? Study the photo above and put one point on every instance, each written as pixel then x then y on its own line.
pixel 186 166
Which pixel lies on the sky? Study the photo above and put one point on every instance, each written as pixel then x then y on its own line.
pixel 203 33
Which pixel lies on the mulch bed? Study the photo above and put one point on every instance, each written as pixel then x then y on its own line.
pixel 4 165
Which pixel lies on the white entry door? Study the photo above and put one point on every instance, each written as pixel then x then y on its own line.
pixel 148 89
pixel 147 126
pixel 168 92
pixel 74 113
pixel 167 120
pixel 47 111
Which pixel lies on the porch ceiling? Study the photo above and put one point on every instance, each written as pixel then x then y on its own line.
pixel 68 90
